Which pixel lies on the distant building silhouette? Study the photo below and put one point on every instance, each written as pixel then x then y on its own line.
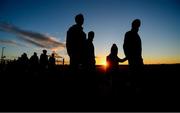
pixel 75 43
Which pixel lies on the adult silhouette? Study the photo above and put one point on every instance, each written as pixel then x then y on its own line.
pixel 133 48
pixel 113 60
pixel 34 62
pixel 90 52
pixel 133 51
pixel 44 60
pixel 75 43
pixel 52 62
pixel 24 62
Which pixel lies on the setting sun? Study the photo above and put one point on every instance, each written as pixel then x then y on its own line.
pixel 105 64
pixel 19 34
pixel 101 61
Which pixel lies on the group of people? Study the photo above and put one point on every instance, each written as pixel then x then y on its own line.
pixel 35 62
pixel 81 50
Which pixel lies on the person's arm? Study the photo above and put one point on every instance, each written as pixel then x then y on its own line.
pixel 126 44
pixel 122 60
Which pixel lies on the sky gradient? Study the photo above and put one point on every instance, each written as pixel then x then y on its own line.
pixel 33 25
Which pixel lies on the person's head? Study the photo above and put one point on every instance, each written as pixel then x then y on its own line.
pixel 52 54
pixel 91 35
pixel 79 19
pixel 136 24
pixel 44 51
pixel 24 55
pixel 35 54
pixel 114 49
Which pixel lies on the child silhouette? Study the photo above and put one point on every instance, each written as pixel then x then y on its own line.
pixel 113 60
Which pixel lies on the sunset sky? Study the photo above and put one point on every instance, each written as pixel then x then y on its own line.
pixel 33 25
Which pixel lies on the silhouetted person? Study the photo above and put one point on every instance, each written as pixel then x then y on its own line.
pixel 112 68
pixel 52 62
pixel 44 60
pixel 24 62
pixel 133 51
pixel 34 62
pixel 90 52
pixel 75 42
pixel 113 60
pixel 133 48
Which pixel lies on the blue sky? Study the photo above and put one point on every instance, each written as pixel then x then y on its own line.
pixel 109 19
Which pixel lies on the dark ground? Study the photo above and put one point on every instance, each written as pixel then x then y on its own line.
pixel 61 90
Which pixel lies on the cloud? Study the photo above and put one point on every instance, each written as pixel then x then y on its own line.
pixel 11 42
pixel 56 55
pixel 35 38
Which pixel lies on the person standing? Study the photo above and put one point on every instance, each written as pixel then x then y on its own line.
pixel 133 48
pixel 76 43
pixel 34 62
pixel 90 52
pixel 52 63
pixel 133 51
pixel 113 60
pixel 44 60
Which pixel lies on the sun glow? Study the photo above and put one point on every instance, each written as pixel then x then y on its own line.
pixel 101 61
pixel 105 64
